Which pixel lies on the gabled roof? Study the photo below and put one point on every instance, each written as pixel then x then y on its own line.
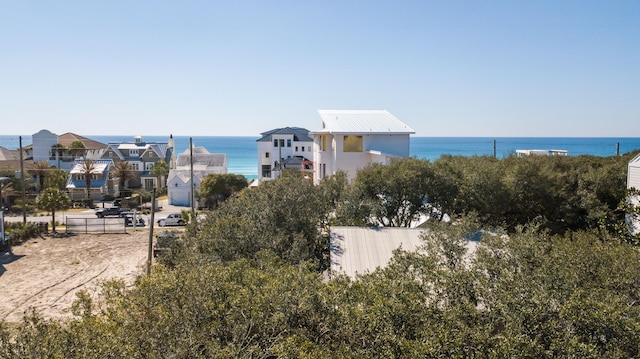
pixel 184 176
pixel 68 138
pixel 101 168
pixel 362 122
pixel 299 134
pixel 161 149
pixel 10 160
pixel 9 155
pixel 202 159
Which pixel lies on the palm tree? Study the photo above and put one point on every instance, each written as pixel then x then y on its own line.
pixel 77 148
pixel 57 150
pixel 161 170
pixel 52 199
pixel 123 171
pixel 87 167
pixel 41 170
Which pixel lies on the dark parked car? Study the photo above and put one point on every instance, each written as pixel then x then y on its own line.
pixel 108 212
pixel 164 242
pixel 132 217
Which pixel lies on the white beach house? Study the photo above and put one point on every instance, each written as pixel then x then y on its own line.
pixel 281 149
pixel 179 185
pixel 352 139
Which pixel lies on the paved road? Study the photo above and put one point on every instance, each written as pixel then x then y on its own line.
pixel 90 213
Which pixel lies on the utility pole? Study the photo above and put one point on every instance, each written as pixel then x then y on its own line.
pixel 193 186
pixel 150 251
pixel 24 195
pixel 494 148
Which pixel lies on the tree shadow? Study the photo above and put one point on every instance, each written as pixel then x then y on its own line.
pixel 336 248
pixel 6 257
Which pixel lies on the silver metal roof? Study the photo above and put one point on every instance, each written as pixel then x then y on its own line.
pixel 362 121
pixel 360 250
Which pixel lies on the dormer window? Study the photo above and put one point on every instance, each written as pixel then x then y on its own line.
pixel 133 153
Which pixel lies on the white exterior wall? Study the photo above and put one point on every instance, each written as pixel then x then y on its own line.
pixel 396 145
pixel 41 143
pixel 179 192
pixel 265 147
pixel 179 196
pixel 633 173
pixel 633 181
pixel 334 159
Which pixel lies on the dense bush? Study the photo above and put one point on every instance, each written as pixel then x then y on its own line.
pixel 527 295
pixel 562 193
pixel 19 232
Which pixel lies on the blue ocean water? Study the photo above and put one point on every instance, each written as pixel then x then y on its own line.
pixel 243 158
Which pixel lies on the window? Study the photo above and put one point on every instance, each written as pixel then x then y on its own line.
pixel 266 171
pixel 275 143
pixel 148 166
pixel 296 148
pixel 266 155
pixel 148 183
pixel 301 148
pixel 352 143
pixel 282 143
pixel 133 152
pixel 289 142
pixel 309 149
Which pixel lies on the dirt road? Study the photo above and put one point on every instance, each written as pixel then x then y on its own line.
pixel 46 273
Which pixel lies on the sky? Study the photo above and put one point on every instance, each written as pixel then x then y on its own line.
pixel 243 67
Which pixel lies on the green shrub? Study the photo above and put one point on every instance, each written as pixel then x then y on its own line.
pixel 19 232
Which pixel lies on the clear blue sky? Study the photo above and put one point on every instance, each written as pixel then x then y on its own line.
pixel 208 68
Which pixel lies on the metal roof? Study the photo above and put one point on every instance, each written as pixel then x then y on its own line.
pixel 201 159
pixel 362 121
pixel 100 166
pixel 360 250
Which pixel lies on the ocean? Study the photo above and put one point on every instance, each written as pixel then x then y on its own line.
pixel 243 158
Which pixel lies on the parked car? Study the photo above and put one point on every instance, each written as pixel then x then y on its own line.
pixel 108 212
pixel 133 217
pixel 164 242
pixel 173 219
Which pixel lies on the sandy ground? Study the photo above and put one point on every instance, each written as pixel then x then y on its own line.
pixel 45 273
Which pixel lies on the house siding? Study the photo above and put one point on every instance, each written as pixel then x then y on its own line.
pixel 633 173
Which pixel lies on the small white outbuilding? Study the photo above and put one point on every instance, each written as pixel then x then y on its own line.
pixel 179 184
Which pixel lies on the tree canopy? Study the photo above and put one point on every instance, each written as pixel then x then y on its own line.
pixel 52 199
pixel 219 187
